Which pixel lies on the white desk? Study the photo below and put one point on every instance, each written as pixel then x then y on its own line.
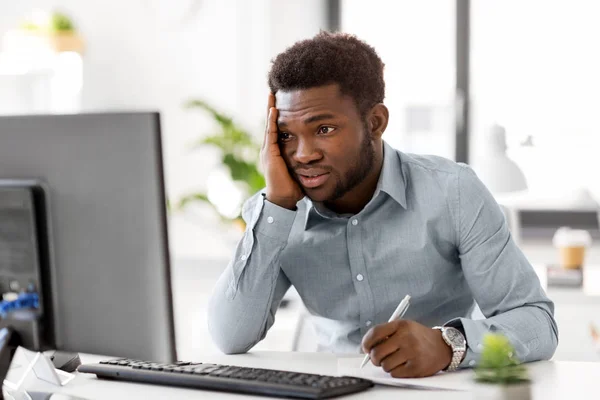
pixel 515 203
pixel 552 380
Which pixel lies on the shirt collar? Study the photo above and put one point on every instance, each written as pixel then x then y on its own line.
pixel 391 181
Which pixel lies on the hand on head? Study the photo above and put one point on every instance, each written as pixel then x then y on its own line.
pixel 282 189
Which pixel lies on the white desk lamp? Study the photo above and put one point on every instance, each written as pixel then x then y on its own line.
pixel 501 175
pixel 496 170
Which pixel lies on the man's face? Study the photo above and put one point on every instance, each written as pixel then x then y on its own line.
pixel 324 141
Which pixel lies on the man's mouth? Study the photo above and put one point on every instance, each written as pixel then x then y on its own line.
pixel 311 180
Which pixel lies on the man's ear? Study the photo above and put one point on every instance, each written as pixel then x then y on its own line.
pixel 378 118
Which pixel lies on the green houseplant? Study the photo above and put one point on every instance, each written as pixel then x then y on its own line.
pixel 499 374
pixel 239 152
pixel 45 30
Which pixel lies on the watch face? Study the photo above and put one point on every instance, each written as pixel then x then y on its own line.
pixel 455 337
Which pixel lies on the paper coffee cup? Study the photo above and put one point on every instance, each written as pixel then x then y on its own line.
pixel 571 244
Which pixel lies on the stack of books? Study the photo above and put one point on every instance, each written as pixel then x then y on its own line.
pixel 563 277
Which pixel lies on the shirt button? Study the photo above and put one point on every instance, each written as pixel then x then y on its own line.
pixel 359 277
pixel 472 363
pixel 354 222
pixel 243 257
pixel 270 220
pixel 368 323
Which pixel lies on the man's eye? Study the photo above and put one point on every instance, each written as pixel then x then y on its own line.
pixel 325 130
pixel 284 136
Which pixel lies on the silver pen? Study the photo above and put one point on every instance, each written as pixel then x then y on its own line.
pixel 398 313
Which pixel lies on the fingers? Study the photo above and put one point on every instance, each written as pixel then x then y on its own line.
pixel 407 370
pixel 384 349
pixel 394 360
pixel 270 102
pixel 378 334
pixel 407 349
pixel 271 129
pixel 395 356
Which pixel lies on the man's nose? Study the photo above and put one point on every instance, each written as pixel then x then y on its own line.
pixel 307 152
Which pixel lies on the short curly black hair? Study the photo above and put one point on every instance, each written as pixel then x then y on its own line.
pixel 331 58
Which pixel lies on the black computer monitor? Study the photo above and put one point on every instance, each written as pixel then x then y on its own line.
pixel 107 227
pixel 26 281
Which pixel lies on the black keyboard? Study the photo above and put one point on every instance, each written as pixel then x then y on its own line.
pixel 229 378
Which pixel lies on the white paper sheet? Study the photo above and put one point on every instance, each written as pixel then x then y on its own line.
pixel 26 362
pixel 459 380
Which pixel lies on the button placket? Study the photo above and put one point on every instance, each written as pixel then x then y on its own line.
pixel 358 271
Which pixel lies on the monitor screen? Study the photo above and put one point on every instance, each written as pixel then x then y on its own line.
pixel 107 230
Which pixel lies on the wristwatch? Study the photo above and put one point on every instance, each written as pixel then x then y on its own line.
pixel 457 342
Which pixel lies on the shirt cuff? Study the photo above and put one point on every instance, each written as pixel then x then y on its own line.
pixel 275 222
pixel 474 335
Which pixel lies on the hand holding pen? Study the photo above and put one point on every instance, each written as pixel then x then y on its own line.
pixel 397 314
pixel 406 349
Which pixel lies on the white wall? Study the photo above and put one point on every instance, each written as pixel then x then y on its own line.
pixel 534 71
pixel 417 48
pixel 147 54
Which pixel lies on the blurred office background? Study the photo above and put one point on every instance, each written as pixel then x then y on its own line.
pixel 464 78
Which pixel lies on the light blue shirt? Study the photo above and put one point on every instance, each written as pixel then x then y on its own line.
pixel 432 230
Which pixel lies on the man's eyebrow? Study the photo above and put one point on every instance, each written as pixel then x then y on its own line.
pixel 318 117
pixel 311 119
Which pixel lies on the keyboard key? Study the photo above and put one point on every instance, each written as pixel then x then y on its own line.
pixel 205 369
pixel 219 370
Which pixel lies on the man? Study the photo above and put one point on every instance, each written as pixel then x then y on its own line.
pixel 355 225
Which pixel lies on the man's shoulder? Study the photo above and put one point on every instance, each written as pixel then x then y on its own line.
pixel 430 164
pixel 429 175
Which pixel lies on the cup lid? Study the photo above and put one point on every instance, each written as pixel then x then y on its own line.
pixel 565 237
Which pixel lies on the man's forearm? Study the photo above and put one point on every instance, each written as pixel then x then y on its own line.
pixel 243 304
pixel 502 281
pixel 531 329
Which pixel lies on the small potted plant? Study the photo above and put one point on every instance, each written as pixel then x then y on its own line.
pixel 53 31
pixel 499 374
